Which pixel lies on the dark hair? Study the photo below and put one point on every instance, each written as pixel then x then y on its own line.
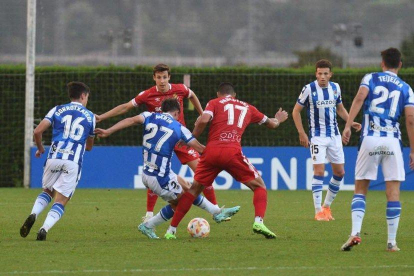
pixel 391 57
pixel 170 105
pixel 76 89
pixel 160 68
pixel 226 88
pixel 323 63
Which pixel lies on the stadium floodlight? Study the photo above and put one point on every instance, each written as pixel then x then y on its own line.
pixel 30 78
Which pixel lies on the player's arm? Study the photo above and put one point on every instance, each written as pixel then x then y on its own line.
pixel 303 137
pixel 196 102
pixel 341 110
pixel 353 112
pixel 37 135
pixel 89 143
pixel 279 118
pixel 139 119
pixel 201 124
pixel 195 144
pixel 409 124
pixel 116 111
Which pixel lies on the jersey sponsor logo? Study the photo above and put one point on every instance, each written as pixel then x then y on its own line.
pixel 60 168
pixel 157 99
pixel 326 103
pixel 151 165
pixel 381 150
pixel 230 136
pixel 158 109
pixel 373 126
pixel 63 151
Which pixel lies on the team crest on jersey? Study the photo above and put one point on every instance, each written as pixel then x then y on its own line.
pixel 314 94
pixel 157 99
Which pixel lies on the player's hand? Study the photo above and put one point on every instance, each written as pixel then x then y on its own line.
pixel 98 118
pixel 356 126
pixel 102 133
pixel 281 115
pixel 346 135
pixel 39 152
pixel 303 139
pixel 412 160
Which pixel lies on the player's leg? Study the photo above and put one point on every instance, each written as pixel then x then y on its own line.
pixel 151 201
pixel 393 213
pixel 318 148
pixel 358 213
pixel 54 215
pixel 333 189
pixel 43 199
pixel 188 156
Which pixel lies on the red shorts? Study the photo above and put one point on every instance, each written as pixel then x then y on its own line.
pixel 186 154
pixel 214 160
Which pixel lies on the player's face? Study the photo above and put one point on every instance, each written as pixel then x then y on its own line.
pixel 161 81
pixel 323 75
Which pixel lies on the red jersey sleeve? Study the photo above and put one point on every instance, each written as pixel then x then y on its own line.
pixel 140 98
pixel 182 90
pixel 210 108
pixel 257 116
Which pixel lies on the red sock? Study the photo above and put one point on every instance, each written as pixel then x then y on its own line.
pixel 210 194
pixel 184 204
pixel 260 202
pixel 151 200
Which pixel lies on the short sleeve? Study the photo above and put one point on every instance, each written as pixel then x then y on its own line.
pixel 304 96
pixel 146 114
pixel 365 80
pixel 139 99
pixel 186 135
pixel 257 116
pixel 186 91
pixel 409 100
pixel 50 114
pixel 92 131
pixel 339 92
pixel 209 109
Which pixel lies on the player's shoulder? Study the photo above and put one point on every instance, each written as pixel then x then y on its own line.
pixel 178 87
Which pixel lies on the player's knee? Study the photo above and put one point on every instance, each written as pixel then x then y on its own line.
pixel 319 172
pixel 340 173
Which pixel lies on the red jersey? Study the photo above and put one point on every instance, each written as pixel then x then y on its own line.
pixel 230 117
pixel 153 98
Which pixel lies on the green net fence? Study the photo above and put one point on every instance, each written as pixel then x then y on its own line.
pixel 266 90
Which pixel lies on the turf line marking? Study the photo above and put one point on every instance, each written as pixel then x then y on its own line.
pixel 138 270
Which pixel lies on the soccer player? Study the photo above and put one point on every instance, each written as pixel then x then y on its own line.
pixel 152 98
pixel 384 97
pixel 162 132
pixel 323 100
pixel 73 133
pixel 228 119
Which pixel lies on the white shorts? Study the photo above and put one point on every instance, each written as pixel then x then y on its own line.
pixel 327 147
pixel 384 151
pixel 61 175
pixel 169 192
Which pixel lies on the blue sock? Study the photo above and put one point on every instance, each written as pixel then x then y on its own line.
pixel 53 216
pixel 358 212
pixel 332 190
pixel 393 218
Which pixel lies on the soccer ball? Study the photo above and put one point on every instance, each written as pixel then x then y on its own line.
pixel 198 228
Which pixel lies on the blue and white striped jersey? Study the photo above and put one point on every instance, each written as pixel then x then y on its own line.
pixel 384 105
pixel 161 133
pixel 72 125
pixel 321 103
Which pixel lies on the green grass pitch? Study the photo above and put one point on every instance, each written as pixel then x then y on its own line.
pixel 98 236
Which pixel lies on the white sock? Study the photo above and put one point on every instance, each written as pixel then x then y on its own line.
pixel 333 189
pixel 149 214
pixel 42 200
pixel 53 216
pixel 358 212
pixel 172 230
pixel 203 203
pixel 165 214
pixel 258 219
pixel 317 183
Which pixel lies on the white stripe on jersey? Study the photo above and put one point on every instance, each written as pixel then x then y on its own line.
pixel 388 124
pixel 67 150
pixel 377 120
pixel 78 153
pixel 163 167
pixel 153 161
pixel 366 126
pixel 312 116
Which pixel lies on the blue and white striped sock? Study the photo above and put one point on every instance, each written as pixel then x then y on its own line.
pixel 358 212
pixel 393 218
pixel 332 190
pixel 53 216
pixel 317 183
pixel 205 204
pixel 166 213
pixel 42 200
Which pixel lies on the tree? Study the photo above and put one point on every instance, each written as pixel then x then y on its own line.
pixel 407 49
pixel 311 57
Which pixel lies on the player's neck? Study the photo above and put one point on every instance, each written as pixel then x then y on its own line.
pixel 164 89
pixel 323 86
pixel 392 70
